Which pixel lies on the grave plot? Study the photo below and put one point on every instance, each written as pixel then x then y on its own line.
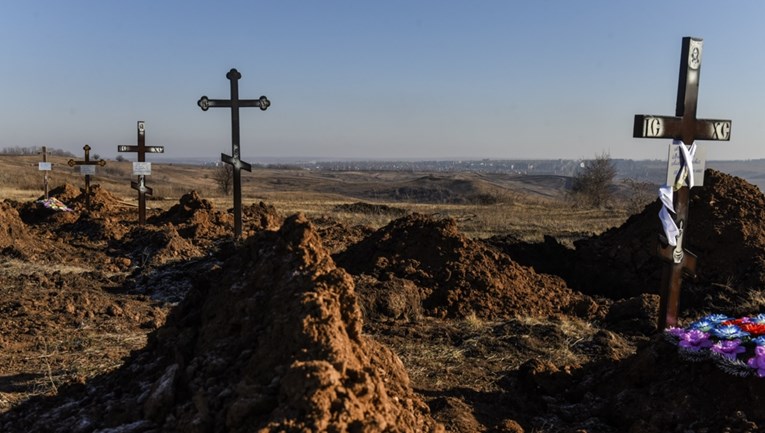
pixel 454 276
pixel 272 341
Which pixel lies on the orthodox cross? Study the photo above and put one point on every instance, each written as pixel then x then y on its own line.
pixel 234 103
pixel 685 127
pixel 45 167
pixel 87 164
pixel 144 169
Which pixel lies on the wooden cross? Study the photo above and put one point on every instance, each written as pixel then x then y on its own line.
pixel 45 169
pixel 87 162
pixel 140 186
pixel 684 126
pixel 235 159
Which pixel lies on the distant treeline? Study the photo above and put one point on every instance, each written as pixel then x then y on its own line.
pixel 34 150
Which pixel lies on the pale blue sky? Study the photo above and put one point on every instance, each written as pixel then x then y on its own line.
pixel 382 79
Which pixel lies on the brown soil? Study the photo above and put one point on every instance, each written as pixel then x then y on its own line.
pixel 726 230
pixel 109 327
pixel 455 276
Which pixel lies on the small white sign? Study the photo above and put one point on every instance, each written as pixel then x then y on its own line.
pixel 675 160
pixel 141 168
pixel 88 170
pixel 44 166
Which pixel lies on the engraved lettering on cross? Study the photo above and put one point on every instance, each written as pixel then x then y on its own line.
pixel 685 127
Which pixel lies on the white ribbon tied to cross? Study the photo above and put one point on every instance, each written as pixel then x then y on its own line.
pixel 666 192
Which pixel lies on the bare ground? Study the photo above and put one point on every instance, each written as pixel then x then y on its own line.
pixel 320 324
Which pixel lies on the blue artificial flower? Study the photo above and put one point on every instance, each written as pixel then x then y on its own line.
pixel 704 325
pixel 729 332
pixel 759 319
pixel 759 341
pixel 716 318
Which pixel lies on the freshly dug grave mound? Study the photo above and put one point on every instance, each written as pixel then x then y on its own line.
pixel 154 246
pixel 261 216
pixel 456 276
pixel 271 343
pixel 726 229
pixel 196 218
pixel 337 236
pixel 101 201
pixel 13 231
pixel 36 213
pixel 67 193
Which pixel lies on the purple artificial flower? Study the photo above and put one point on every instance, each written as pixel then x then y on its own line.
pixel 729 349
pixel 675 331
pixel 695 340
pixel 758 361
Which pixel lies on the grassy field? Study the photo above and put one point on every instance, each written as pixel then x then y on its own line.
pixel 527 207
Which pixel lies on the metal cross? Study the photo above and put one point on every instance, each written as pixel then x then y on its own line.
pixel 235 159
pixel 141 150
pixel 684 126
pixel 87 161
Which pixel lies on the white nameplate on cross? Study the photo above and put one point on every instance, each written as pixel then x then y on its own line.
pixel 88 170
pixel 44 166
pixel 141 168
pixel 675 162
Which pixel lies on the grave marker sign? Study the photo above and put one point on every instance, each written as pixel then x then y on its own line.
pixel 88 168
pixel 142 166
pixel 235 159
pixel 685 128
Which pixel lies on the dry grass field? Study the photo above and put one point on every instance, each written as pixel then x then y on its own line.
pixel 526 207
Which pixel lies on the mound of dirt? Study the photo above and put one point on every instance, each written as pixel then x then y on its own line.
pixel 196 218
pixel 456 276
pixel 261 216
pixel 101 200
pixel 371 209
pixel 726 230
pixel 67 193
pixel 271 343
pixel 149 246
pixel 337 236
pixel 12 228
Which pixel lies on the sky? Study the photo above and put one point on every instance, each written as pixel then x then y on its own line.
pixel 376 79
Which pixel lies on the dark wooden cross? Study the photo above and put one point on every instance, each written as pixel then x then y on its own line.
pixel 235 159
pixel 140 186
pixel 45 154
pixel 684 126
pixel 87 161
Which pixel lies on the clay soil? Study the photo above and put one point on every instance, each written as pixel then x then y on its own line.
pixel 313 325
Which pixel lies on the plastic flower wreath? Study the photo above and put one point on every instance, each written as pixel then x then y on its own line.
pixel 736 345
